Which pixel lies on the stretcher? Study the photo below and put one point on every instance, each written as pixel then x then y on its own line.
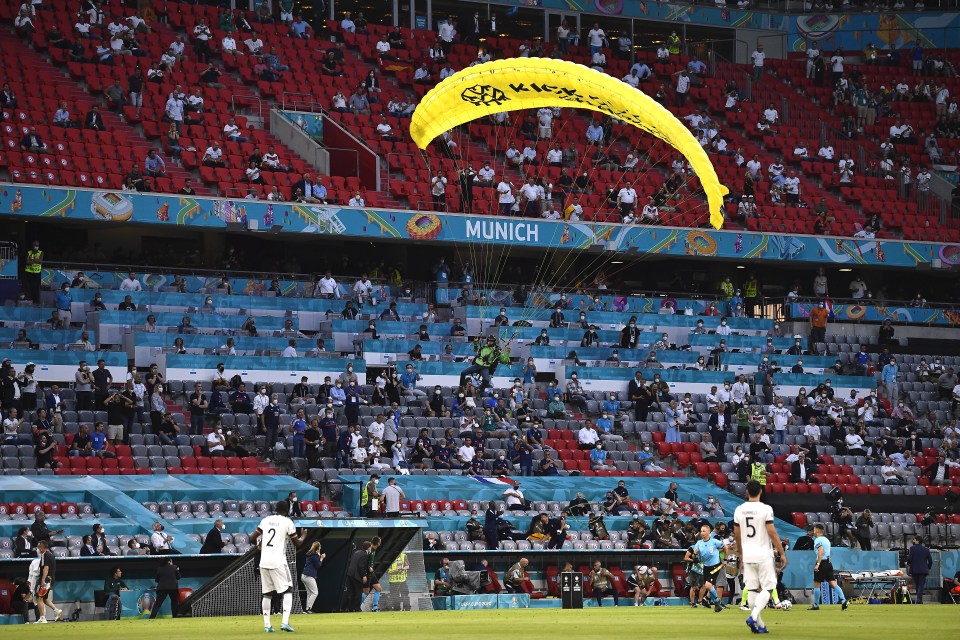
pixel 867 585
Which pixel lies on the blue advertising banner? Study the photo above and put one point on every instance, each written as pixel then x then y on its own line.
pixel 310 123
pixel 850 30
pixel 9 268
pixel 138 603
pixel 482 601
pixel 119 208
pixel 874 312
pixel 855 32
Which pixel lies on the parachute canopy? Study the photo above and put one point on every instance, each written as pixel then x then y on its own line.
pixel 530 83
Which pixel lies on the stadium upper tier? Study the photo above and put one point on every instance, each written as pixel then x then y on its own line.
pixel 103 158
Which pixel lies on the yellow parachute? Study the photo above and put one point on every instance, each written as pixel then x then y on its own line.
pixel 530 83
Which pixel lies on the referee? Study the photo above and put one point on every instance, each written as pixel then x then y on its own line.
pixel 823 570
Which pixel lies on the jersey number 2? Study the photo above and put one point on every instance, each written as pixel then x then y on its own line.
pixel 273 534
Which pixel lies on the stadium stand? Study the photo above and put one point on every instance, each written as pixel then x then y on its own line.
pixel 845 412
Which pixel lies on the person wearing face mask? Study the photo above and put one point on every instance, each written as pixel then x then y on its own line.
pixel 630 334
pixel 216 442
pixel 575 394
pixel 370 497
pixel 83 387
pixel 557 319
pixel 582 322
pixel 781 417
pixel 63 302
pixel 598 458
pixel 647 460
pixel 270 426
pixel 724 328
pixel 213 542
pixel 888 377
pixel 134 548
pixel 542 340
pixel 260 402
pixel 501 320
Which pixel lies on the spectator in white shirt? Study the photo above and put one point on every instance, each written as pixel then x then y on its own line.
pixel 254 43
pixel 845 168
pixel 131 283
pixel 326 287
pixel 595 38
pixel 555 156
pixel 231 131
pixel 826 153
pixel 651 213
pixel 213 156
pixel 485 175
pixel 291 349
pixel 791 187
pixel 229 46
pixel 771 115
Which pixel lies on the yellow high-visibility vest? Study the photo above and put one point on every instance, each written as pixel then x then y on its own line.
pixel 34 261
pixel 398 570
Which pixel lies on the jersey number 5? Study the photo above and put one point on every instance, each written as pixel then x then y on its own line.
pixel 751 530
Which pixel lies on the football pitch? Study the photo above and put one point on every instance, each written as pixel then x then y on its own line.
pixel 863 622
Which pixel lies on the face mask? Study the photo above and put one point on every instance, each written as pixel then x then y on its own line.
pixel 723 324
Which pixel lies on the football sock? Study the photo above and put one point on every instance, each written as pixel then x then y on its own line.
pixel 287 606
pixel 761 600
pixel 266 603
pixel 713 595
pixel 363 599
pixel 838 594
pixel 775 596
pixel 376 599
pixel 743 598
pixel 817 595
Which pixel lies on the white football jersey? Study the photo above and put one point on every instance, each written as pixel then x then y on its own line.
pixel 274 532
pixel 752 518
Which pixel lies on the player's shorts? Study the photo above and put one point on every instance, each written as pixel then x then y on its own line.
pixel 276 580
pixel 824 573
pixel 713 573
pixel 759 576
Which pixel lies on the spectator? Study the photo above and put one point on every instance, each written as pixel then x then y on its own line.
pixel 94 120
pixel 758 57
pixel 232 132
pixel 32 142
pixel 154 165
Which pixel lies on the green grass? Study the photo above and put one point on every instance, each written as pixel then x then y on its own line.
pixel 863 622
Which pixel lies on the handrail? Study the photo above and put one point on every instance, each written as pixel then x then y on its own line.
pixel 194 271
pixel 315 106
pixel 247 96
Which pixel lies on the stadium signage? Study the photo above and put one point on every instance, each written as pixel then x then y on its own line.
pixel 84 205
pixel 497 230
